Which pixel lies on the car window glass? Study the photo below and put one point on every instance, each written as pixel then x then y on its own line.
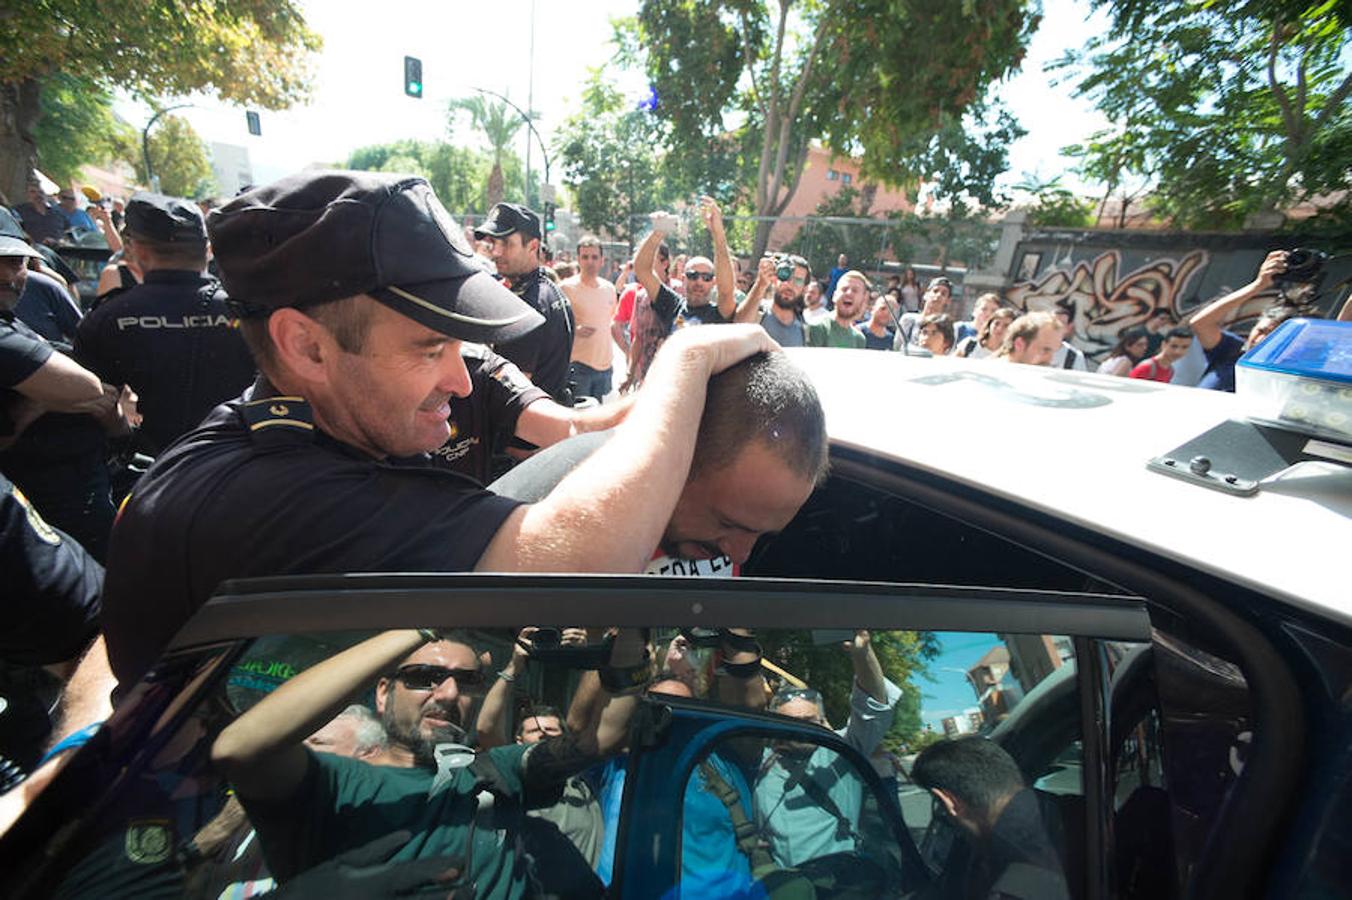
pixel 394 784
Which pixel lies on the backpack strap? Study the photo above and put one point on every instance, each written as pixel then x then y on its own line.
pixel 744 829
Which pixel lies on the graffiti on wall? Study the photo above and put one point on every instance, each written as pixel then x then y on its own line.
pixel 1104 300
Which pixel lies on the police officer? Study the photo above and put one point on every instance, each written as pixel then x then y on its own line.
pixel 545 353
pixel 171 338
pixel 357 290
pixel 53 417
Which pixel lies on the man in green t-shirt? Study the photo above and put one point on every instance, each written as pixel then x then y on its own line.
pixel 309 807
pixel 839 331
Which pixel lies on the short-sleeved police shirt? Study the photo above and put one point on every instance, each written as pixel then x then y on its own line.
pixel 51 586
pixel 259 490
pixel 55 437
pixel 545 352
pixel 172 340
pixel 343 804
pixel 481 422
pixel 22 352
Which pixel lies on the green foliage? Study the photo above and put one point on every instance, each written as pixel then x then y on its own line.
pixel 764 81
pixel 179 159
pixel 77 126
pixel 1055 206
pixel 498 122
pixel 903 656
pixel 458 176
pixel 610 164
pixel 1224 109
pixel 256 52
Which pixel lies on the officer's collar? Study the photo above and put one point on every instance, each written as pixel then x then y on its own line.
pixel 520 283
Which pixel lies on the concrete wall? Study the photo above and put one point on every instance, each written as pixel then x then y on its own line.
pixel 1115 279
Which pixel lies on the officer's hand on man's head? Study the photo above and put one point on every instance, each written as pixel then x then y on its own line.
pixel 721 347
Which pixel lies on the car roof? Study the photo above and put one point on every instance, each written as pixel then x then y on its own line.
pixel 1075 445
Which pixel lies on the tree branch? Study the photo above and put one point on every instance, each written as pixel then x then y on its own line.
pixel 1334 102
pixel 795 103
pixel 791 183
pixel 763 195
pixel 750 59
pixel 1288 116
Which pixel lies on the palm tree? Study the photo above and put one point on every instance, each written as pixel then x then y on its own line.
pixel 499 125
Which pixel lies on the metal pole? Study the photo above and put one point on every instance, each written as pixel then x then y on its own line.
pixel 145 143
pixel 530 94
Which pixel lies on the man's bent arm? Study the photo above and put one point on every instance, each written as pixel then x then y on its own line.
pixel 643 264
pixel 868 673
pixel 1209 321
pixel 621 337
pixel 628 488
pixel 262 751
pixel 63 385
pixel 749 309
pixel 544 423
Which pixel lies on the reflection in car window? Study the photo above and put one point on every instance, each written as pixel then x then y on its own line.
pixel 496 760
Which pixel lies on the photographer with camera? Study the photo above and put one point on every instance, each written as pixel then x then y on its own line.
pixel 788 276
pixel 1223 348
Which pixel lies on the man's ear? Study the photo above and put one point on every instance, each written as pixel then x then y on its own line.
pixel 950 802
pixel 382 691
pixel 301 344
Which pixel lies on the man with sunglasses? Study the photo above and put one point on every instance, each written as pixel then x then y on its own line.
pixel 807 797
pixel 310 807
pixel 711 294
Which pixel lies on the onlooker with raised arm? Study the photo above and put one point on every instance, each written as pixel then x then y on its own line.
pixel 786 279
pixel 1223 348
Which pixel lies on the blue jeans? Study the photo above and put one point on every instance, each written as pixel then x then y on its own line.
pixel 588 382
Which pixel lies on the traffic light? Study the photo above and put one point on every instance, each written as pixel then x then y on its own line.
pixel 413 82
pixel 549 218
pixel 254 126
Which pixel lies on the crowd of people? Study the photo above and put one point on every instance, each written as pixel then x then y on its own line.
pixel 329 374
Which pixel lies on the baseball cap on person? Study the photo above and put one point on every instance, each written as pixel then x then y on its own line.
pixel 13 240
pixel 326 235
pixel 507 218
pixel 167 220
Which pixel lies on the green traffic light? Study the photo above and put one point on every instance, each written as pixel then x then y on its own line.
pixel 414 87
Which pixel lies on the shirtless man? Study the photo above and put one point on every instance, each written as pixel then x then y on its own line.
pixel 594 302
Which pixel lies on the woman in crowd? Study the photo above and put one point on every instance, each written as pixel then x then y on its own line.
pixel 910 291
pixel 1131 347
pixel 992 335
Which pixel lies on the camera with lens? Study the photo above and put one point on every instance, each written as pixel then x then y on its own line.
pixel 785 263
pixel 1302 265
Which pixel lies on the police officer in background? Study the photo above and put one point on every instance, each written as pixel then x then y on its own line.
pixel 171 339
pixel 544 354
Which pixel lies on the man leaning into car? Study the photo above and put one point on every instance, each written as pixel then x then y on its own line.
pixel 355 292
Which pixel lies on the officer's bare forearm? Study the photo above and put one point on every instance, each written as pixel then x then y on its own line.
pixel 87 697
pixel 63 385
pixel 262 751
pixel 544 423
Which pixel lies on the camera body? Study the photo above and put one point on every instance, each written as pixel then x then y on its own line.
pixel 1302 265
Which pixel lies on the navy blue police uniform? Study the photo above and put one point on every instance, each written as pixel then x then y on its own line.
pixel 546 352
pixel 260 488
pixel 59 460
pixel 482 423
pixel 171 338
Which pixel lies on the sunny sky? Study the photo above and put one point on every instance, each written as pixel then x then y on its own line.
pixel 358 97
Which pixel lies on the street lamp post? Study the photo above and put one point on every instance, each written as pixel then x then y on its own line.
pixel 145 143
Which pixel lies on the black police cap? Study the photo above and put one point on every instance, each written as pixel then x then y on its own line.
pixel 508 218
pixel 326 235
pixel 168 220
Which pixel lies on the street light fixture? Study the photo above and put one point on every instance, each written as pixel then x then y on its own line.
pixel 145 143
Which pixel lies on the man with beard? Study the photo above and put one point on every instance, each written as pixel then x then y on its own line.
pixel 545 352
pixel 839 331
pixel 783 321
pixel 309 807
